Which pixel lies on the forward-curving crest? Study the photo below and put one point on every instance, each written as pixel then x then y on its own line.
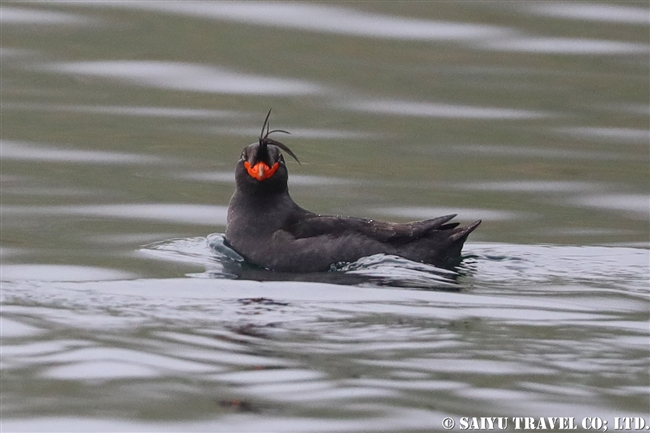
pixel 264 139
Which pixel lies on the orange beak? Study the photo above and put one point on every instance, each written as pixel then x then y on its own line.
pixel 261 171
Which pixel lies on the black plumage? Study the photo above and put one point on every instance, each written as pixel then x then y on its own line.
pixel 267 228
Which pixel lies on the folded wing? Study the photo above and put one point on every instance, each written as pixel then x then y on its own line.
pixel 391 233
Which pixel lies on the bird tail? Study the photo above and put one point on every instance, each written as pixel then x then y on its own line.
pixel 457 239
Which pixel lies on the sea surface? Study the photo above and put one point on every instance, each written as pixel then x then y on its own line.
pixel 123 310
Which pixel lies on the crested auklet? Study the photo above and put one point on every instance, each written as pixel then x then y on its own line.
pixel 268 229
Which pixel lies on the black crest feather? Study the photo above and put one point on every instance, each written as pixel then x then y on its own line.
pixel 264 139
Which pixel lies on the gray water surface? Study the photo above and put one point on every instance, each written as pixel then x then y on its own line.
pixel 121 123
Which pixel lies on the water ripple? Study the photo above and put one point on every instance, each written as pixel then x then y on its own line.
pixel 179 213
pixel 188 76
pixel 618 135
pixel 431 109
pixel 19 16
pixel 143 111
pixel 570 46
pixel 592 12
pixel 19 150
pixel 322 18
pixel 527 321
pixel 635 205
